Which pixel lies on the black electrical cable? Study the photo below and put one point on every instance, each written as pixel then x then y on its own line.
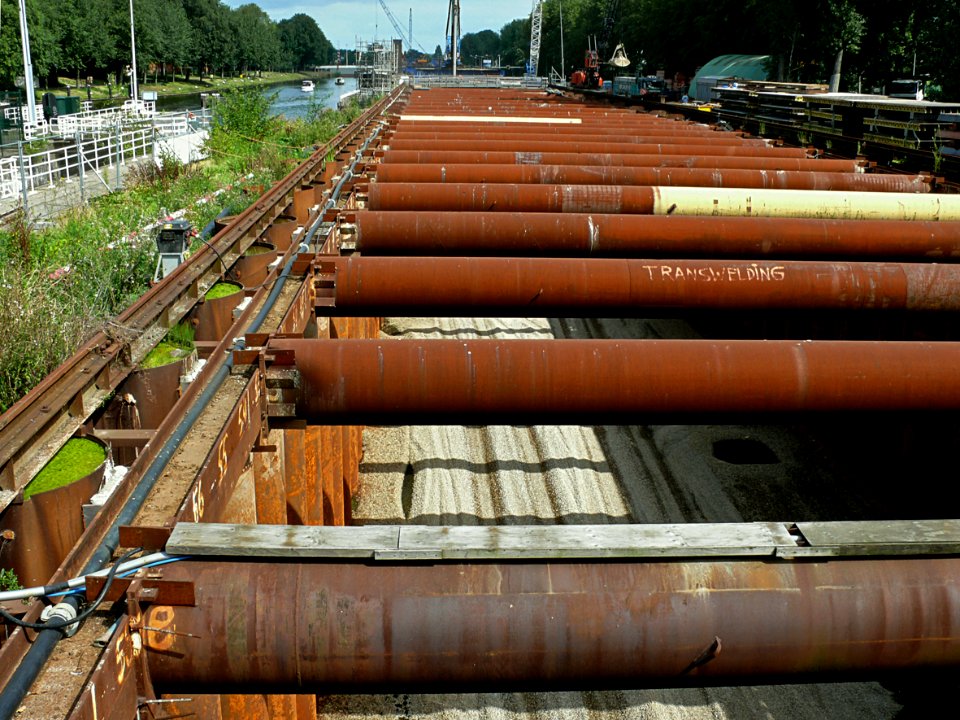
pixel 60 625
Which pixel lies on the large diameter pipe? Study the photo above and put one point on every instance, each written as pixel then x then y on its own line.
pixel 632 199
pixel 336 627
pixel 659 176
pixel 431 157
pixel 521 287
pixel 586 135
pixel 369 382
pixel 555 233
pixel 599 147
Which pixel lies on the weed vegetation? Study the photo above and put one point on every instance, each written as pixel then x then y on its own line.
pixel 61 283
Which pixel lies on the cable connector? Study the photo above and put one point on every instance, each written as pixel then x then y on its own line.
pixel 66 613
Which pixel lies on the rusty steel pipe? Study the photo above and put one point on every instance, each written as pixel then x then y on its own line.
pixel 673 176
pixel 598 147
pixel 406 382
pixel 339 627
pixel 505 197
pixel 584 136
pixel 430 157
pixel 521 287
pixel 667 129
pixel 557 233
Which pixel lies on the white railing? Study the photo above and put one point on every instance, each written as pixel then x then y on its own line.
pixel 92 155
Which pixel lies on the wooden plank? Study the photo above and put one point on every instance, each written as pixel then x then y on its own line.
pixel 416 543
pixel 562 542
pixel 879 537
pixel 293 541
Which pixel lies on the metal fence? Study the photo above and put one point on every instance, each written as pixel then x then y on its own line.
pixel 479 81
pixel 86 154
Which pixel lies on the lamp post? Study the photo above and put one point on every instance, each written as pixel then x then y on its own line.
pixel 27 64
pixel 133 52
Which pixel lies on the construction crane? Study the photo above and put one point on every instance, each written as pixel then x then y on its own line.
pixel 589 76
pixel 407 38
pixel 536 22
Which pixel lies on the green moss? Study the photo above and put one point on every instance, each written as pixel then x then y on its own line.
pixel 78 458
pixel 222 289
pixel 177 343
pixel 9 581
pixel 258 250
pixel 163 354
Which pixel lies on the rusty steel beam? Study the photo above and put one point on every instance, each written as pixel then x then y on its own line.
pixel 589 381
pixel 533 145
pixel 667 128
pixel 680 176
pixel 341 627
pixel 558 233
pixel 431 157
pixel 521 287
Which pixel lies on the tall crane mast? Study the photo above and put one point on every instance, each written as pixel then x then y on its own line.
pixel 406 37
pixel 536 22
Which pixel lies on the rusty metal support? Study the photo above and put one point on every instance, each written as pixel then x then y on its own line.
pixel 673 176
pixel 571 233
pixel 521 287
pixel 588 381
pixel 341 627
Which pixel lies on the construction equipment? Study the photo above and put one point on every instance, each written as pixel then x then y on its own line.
pixel 536 23
pixel 589 77
pixel 406 37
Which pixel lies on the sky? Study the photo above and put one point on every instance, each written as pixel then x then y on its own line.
pixel 343 21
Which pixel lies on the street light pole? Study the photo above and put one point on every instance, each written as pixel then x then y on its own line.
pixel 133 52
pixel 27 64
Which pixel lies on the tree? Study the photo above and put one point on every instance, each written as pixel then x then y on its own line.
pixel 302 42
pixel 260 48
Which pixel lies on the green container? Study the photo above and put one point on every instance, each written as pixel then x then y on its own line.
pixel 68 105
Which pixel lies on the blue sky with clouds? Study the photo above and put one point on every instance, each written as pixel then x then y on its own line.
pixel 343 21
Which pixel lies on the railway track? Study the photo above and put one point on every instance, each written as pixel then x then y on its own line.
pixel 834 300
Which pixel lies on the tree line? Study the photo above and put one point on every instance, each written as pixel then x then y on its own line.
pixel 876 41
pixel 82 38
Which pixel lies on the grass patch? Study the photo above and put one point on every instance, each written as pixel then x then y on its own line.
pixel 222 290
pixel 176 345
pixel 258 250
pixel 62 283
pixel 78 458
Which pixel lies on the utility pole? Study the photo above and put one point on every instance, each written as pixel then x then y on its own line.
pixel 410 30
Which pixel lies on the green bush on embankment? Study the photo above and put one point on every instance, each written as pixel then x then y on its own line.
pixel 61 283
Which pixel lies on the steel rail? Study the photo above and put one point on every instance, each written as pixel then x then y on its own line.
pixel 16 648
pixel 37 425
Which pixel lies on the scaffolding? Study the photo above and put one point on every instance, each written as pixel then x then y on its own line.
pixel 378 68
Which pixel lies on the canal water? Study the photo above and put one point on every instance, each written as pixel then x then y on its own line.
pixel 291 102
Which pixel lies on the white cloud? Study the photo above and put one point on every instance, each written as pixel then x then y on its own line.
pixel 343 21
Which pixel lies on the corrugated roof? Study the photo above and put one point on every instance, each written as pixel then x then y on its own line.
pixel 748 67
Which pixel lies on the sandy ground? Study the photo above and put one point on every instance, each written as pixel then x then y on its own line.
pixel 530 475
